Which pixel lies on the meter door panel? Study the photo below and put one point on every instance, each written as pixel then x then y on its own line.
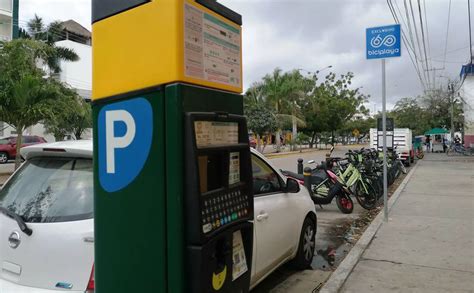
pixel 218 202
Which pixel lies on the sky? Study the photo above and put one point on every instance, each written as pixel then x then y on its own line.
pixel 313 34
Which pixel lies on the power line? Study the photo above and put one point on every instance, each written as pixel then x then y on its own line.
pixel 407 44
pixel 470 32
pixel 423 36
pixel 447 33
pixel 428 41
pixel 425 73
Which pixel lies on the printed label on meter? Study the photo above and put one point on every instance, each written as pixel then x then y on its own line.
pixel 238 256
pixel 234 168
pixel 212 48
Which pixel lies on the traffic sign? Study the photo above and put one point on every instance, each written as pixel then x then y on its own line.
pixel 125 134
pixel 383 42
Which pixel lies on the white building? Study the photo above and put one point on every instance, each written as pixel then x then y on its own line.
pixel 466 92
pixel 6 20
pixel 76 74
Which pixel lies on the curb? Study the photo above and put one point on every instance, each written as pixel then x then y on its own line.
pixel 339 276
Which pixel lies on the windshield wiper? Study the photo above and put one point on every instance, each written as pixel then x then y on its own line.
pixel 23 227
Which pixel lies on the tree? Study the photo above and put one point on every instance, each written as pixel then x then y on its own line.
pixel 51 33
pixel 25 94
pixel 261 121
pixel 72 115
pixel 283 92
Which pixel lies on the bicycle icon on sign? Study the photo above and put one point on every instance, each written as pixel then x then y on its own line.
pixel 378 41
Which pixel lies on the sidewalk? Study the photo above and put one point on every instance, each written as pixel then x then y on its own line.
pixel 428 243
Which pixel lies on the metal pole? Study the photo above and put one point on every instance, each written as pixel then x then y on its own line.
pixel 384 129
pixel 451 99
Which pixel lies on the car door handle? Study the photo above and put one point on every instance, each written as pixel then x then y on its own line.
pixel 262 217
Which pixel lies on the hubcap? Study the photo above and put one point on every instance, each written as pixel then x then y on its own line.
pixel 308 245
pixel 3 158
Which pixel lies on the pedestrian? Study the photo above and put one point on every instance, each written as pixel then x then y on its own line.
pixel 457 140
pixel 427 142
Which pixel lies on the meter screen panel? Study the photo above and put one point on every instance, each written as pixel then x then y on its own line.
pixel 216 133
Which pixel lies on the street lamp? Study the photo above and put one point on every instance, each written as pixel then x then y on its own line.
pixel 315 72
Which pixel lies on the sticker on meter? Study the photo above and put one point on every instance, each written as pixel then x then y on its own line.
pixel 238 256
pixel 125 131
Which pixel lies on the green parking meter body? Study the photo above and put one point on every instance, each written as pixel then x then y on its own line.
pixel 129 187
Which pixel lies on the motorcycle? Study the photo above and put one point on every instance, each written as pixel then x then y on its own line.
pixel 324 185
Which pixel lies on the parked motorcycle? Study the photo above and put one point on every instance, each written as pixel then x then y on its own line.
pixel 324 186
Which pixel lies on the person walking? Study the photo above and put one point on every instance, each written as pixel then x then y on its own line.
pixel 427 142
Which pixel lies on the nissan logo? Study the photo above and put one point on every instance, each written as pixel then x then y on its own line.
pixel 14 240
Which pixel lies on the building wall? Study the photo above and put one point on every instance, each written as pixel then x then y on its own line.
pixel 6 8
pixel 467 94
pixel 78 74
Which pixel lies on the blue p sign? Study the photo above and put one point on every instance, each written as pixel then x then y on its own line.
pixel 125 131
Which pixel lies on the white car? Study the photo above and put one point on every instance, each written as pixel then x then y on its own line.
pixel 51 246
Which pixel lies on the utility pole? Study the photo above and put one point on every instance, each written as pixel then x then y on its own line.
pixel 451 99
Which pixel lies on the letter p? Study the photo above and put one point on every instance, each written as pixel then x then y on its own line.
pixel 117 142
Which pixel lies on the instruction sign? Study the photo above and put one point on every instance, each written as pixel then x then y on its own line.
pixel 213 133
pixel 212 48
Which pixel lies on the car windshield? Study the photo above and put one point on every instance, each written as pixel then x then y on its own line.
pixel 47 190
pixel 4 141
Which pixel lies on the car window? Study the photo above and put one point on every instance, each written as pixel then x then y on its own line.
pixel 28 139
pixel 47 190
pixel 4 141
pixel 265 180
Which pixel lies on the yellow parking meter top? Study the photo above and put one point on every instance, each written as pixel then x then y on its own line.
pixel 139 44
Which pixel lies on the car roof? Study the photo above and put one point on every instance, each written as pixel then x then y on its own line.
pixel 71 148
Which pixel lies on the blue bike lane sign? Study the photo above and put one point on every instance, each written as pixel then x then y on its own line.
pixel 383 42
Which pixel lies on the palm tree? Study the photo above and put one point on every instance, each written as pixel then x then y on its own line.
pixel 283 92
pixel 50 34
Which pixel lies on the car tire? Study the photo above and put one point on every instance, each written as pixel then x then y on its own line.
pixel 3 157
pixel 306 246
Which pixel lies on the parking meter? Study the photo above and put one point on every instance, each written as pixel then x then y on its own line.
pixel 173 208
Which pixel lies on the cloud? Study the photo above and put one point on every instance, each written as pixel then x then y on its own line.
pixel 313 34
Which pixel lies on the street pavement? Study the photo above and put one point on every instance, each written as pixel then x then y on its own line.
pixel 428 243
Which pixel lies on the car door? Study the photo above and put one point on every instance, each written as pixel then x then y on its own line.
pixel 274 216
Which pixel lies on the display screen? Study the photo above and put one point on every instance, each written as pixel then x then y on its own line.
pixel 216 133
pixel 211 172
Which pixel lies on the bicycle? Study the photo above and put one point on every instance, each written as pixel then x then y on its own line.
pixel 458 148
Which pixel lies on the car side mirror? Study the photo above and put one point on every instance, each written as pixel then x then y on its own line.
pixel 292 186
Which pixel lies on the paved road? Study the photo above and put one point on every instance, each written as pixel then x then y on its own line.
pixel 428 243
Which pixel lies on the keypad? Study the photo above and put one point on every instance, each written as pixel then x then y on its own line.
pixel 223 208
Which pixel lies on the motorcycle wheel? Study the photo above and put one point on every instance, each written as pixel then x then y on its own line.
pixel 344 203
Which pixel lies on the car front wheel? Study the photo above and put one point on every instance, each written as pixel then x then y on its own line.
pixel 306 246
pixel 3 157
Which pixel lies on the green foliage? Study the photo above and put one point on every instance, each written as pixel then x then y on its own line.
pixel 260 119
pixel 301 101
pixel 72 115
pixel 26 94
